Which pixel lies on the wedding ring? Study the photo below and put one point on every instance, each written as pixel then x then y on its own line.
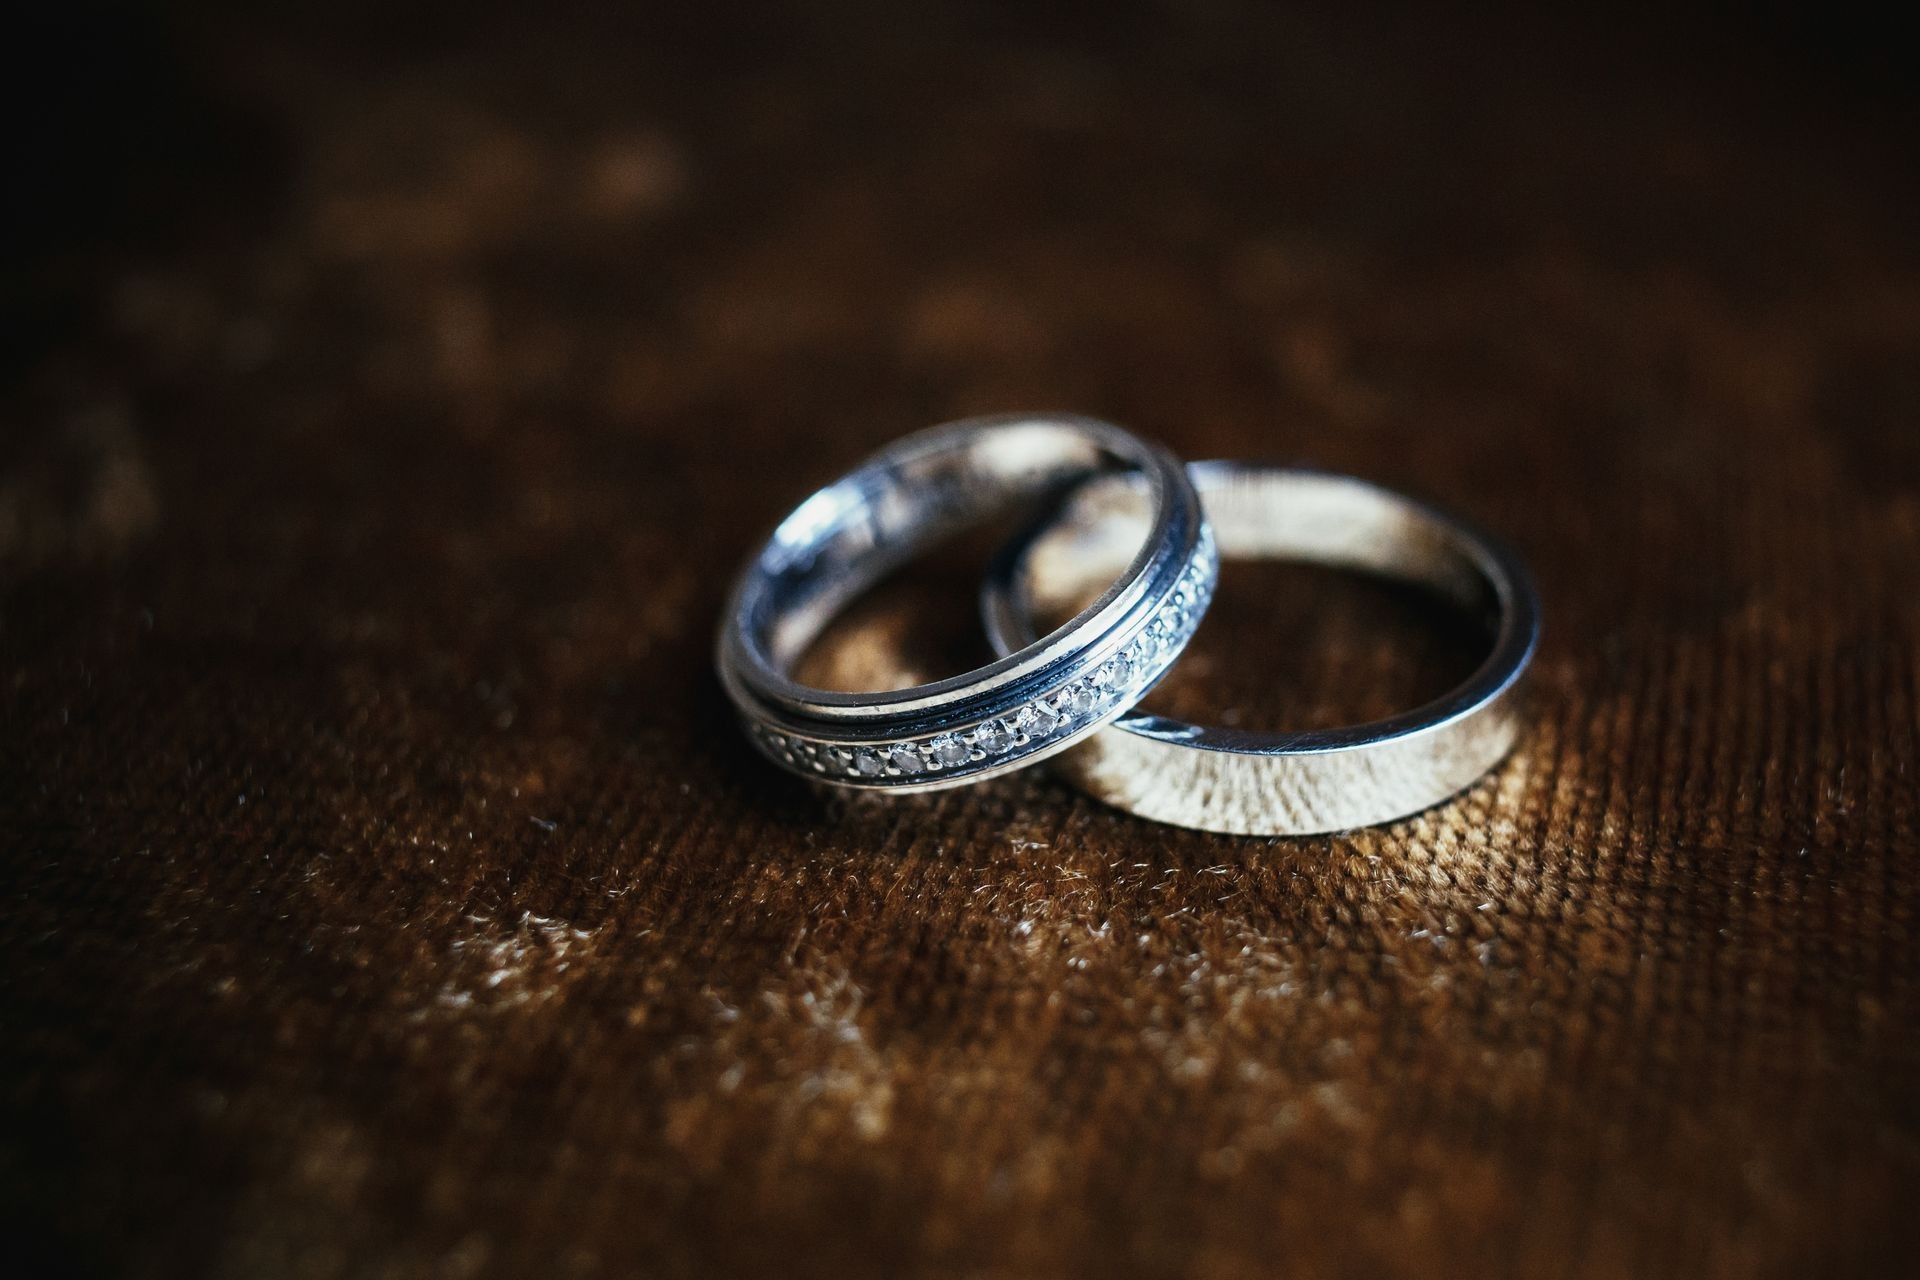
pixel 1044 694
pixel 1252 783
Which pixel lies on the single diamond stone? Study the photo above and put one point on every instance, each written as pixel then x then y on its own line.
pixel 1119 670
pixel 1038 719
pixel 866 763
pixel 950 751
pixel 993 737
pixel 1077 700
pixel 906 758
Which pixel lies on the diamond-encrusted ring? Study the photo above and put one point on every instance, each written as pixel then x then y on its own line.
pixel 1038 699
pixel 1266 783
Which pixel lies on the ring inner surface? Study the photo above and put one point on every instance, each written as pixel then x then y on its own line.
pixel 847 538
pixel 1379 603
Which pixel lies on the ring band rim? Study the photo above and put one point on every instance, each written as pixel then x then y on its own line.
pixel 821 733
pixel 1514 641
pixel 1475 709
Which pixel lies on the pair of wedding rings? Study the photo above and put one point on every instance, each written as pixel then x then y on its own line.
pixel 1125 523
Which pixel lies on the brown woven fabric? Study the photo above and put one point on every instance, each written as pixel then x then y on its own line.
pixel 387 891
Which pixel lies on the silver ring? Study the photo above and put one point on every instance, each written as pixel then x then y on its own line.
pixel 1042 695
pixel 1250 783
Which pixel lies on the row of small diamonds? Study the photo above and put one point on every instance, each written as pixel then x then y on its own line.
pixel 1091 696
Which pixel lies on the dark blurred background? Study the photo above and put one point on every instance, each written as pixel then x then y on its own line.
pixel 387 392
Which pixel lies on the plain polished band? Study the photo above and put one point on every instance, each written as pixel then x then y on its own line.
pixel 1250 783
pixel 1045 693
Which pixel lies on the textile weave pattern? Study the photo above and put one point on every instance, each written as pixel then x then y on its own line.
pixel 387 888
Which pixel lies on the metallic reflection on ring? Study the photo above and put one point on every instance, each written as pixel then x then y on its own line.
pixel 1264 783
pixel 1037 699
